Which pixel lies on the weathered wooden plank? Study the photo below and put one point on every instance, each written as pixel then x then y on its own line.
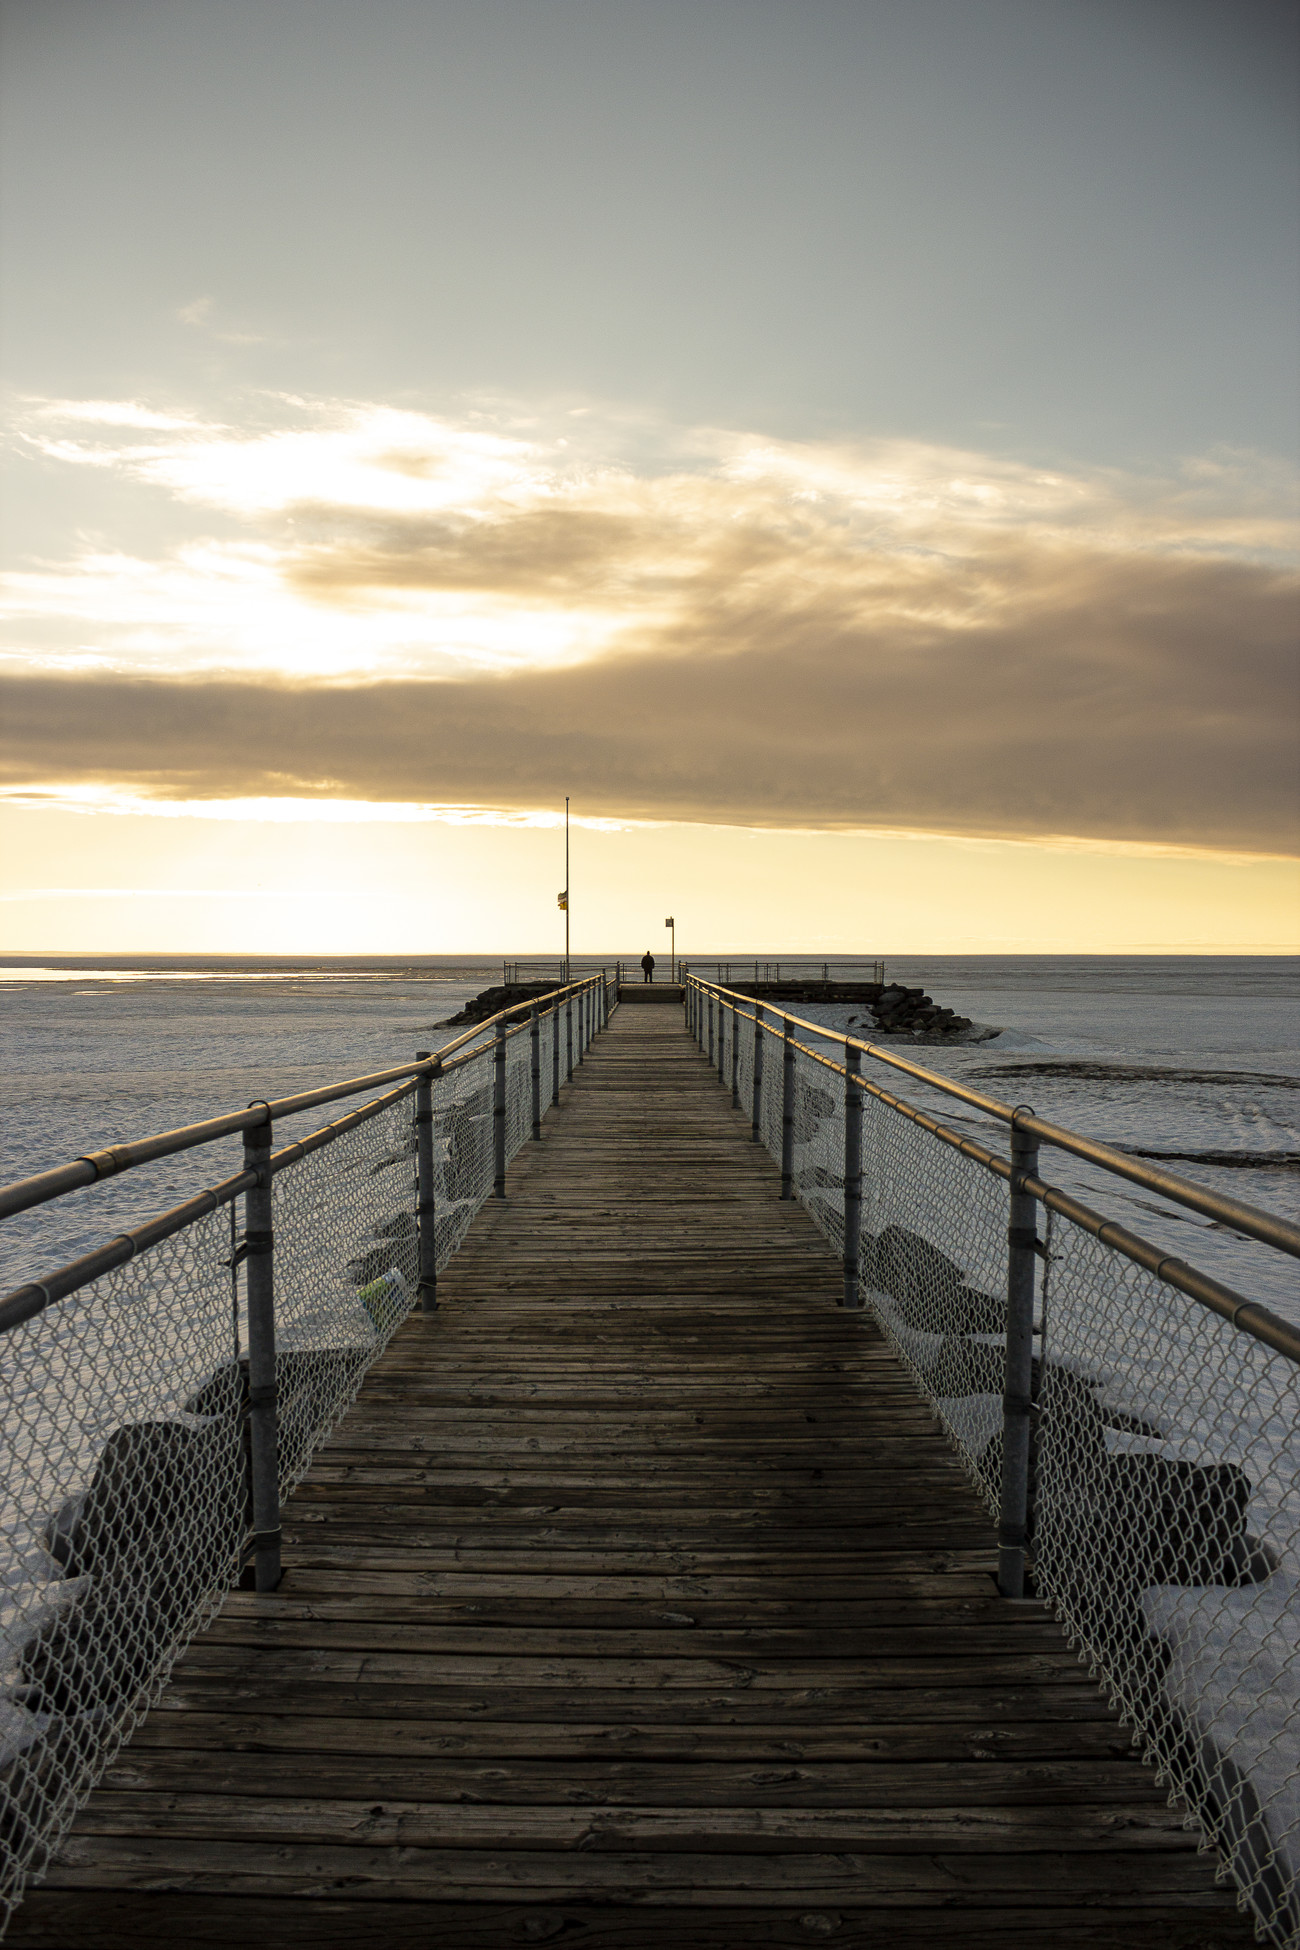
pixel 105 1919
pixel 366 1552
pixel 614 1708
pixel 246 1730
pixel 864 1643
pixel 326 1870
pixel 287 1664
pixel 756 1537
pixel 753 1620
pixel 618 1828
pixel 937 1576
pixel 951 1784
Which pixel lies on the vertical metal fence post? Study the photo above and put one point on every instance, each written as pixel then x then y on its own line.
pixel 787 1109
pixel 426 1296
pixel 499 1112
pixel 582 1024
pixel 756 1113
pixel 852 1176
pixel 735 1057
pixel 568 1037
pixel 555 1053
pixel 1022 1252
pixel 710 1041
pixel 535 1067
pixel 722 1037
pixel 259 1244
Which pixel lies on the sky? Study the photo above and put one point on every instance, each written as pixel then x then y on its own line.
pixel 849 447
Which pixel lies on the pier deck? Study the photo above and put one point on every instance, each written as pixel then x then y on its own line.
pixel 636 1602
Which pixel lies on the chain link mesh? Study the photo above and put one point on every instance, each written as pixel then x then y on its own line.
pixel 933 1266
pixel 519 1092
pixel 770 1095
pixel 1167 1536
pixel 346 1266
pixel 122 1520
pixel 1164 1475
pixel 462 1125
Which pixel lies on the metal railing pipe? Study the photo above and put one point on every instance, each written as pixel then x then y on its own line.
pixel 1267 1227
pixel 34 1296
pixel 94 1166
pixel 263 1420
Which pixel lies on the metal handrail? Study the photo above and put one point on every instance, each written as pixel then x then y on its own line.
pixel 1251 1316
pixel 95 1166
pixel 24 1302
pixel 1250 1219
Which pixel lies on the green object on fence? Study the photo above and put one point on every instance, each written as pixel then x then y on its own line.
pixel 386 1299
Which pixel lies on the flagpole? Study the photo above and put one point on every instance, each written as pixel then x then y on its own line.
pixel 566 886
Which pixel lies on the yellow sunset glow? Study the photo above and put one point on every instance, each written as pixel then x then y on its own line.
pixel 427 886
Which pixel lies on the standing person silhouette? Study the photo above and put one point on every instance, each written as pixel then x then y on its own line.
pixel 648 966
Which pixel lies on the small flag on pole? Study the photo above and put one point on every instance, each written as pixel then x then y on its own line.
pixel 563 900
pixel 670 923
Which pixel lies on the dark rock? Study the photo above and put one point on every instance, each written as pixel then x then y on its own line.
pixel 966 1367
pixel 490 1002
pixel 928 1289
pixel 158 1528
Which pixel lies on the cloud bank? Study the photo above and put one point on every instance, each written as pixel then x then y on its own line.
pixel 723 630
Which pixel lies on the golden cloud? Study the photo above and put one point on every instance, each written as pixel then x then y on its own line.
pixel 755 633
pixel 1130 699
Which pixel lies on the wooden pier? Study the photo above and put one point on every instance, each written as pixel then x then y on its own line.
pixel 638 1601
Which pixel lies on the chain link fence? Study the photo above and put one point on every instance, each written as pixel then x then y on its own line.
pixel 123 1492
pixel 1163 1490
pixel 127 1506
